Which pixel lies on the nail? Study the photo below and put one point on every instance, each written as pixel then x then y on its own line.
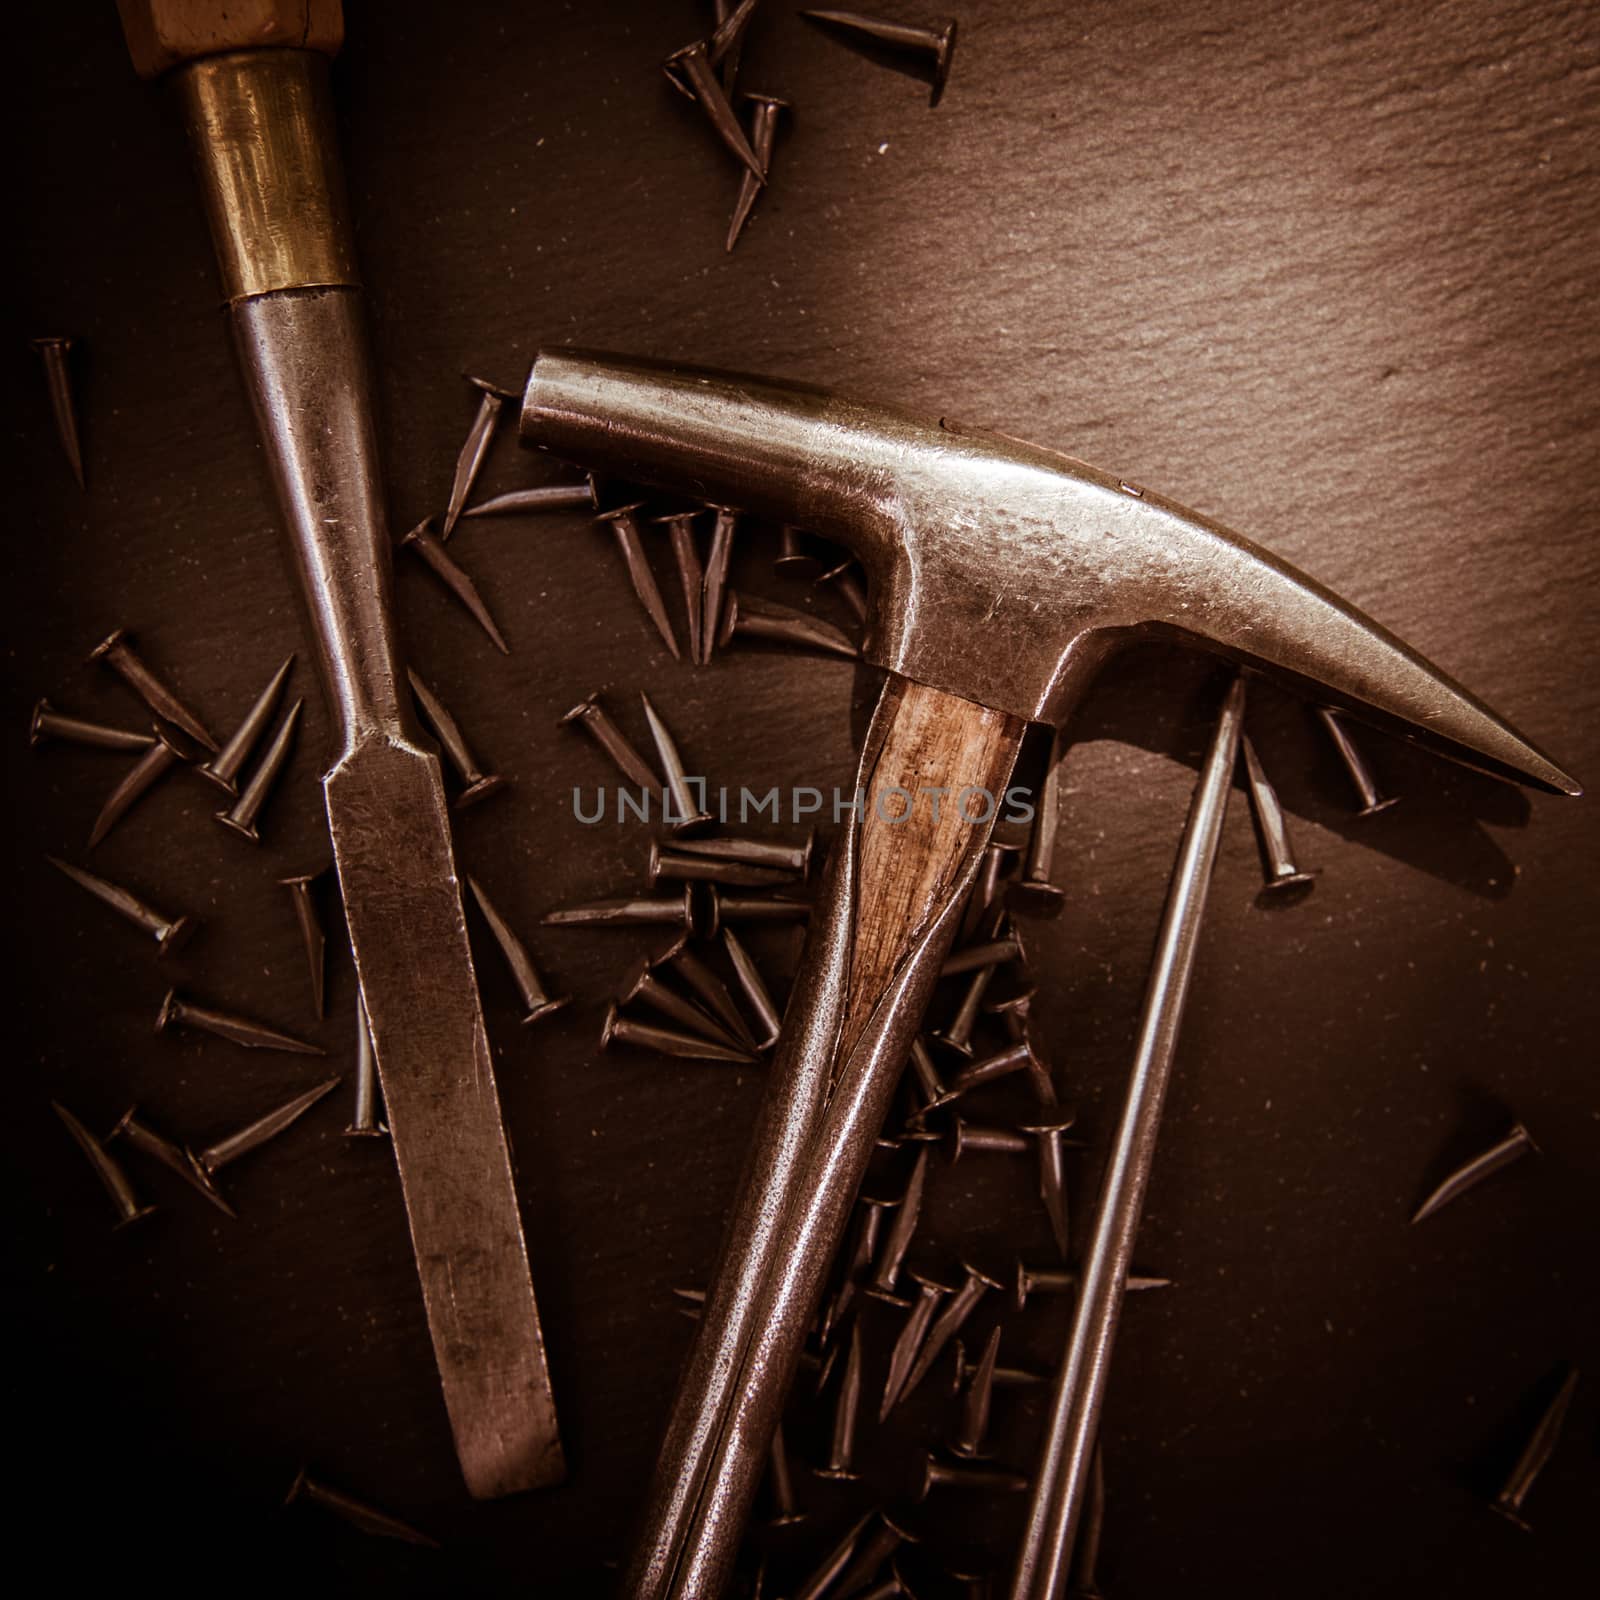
pixel 365 1124
pixel 974 1585
pixel 926 52
pixel 116 651
pixel 146 772
pixel 754 989
pixel 841 1449
pixel 473 449
pixel 546 497
pixel 689 1046
pixel 479 784
pixel 640 984
pixel 1017 1057
pixel 886 1273
pixel 748 619
pixel 765 113
pixel 691 576
pixel 1086 1554
pixel 169 933
pixel 241 816
pixel 686 815
pixel 58 380
pixel 223 768
pixel 311 935
pixel 1034 894
pixel 176 1012
pixel 858 1259
pixel 624 913
pixel 967 1441
pixel 356 1512
pixel 1372 800
pixel 964 1136
pixel 847 586
pixel 723 47
pixel 423 544
pixel 716 579
pixel 885 1540
pixel 625 528
pixel 948 1324
pixel 48 724
pixel 1538 1450
pixel 106 1168
pixel 1517 1143
pixel 255 1134
pixel 990 953
pixel 913 1333
pixel 836 1560
pixel 794 859
pixel 947 1475
pixel 1004 1377
pixel 691 68
pixel 722 909
pixel 795 557
pixel 536 1000
pixel 593 718
pixel 957 1034
pixel 175 1157
pixel 1063 1280
pixel 785 1510
pixel 929 1082
pixel 982 918
pixel 1052 1176
pixel 1272 828
pixel 713 992
pixel 892 1587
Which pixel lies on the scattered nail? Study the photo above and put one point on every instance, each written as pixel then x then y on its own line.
pixel 48 724
pixel 724 45
pixel 677 912
pixel 841 1450
pixel 146 772
pixel 913 1336
pixel 547 497
pixel 796 558
pixel 847 586
pixel 779 1475
pixel 1052 1176
pixel 690 68
pixel 593 718
pixel 1272 827
pixel 925 52
pixel 716 579
pixel 885 1540
pixel 365 1124
pixel 1372 800
pixel 686 815
pixel 967 1442
pixel 990 953
pixel 929 1083
pixel 106 1168
pixel 479 784
pixel 58 380
pixel 1018 1057
pixel 765 112
pixel 116 651
pixel 668 1041
pixel 713 992
pixel 886 1271
pixel 982 917
pixel 793 859
pixel 691 576
pixel 474 448
pixel 964 1136
pixel 312 937
pixel 748 619
pixel 241 816
pixel 1034 894
pixel 1516 1144
pixel 177 1158
pixel 1538 1450
pixel 422 543
pixel 176 1012
pixel 641 984
pixel 1063 1280
pixel 169 933
pixel 956 1035
pixel 947 1475
pixel 1086 1553
pixel 836 1560
pixel 754 989
pixel 625 528
pixel 255 1134
pixel 858 1258
pixel 356 1512
pixel 1004 1377
pixel 537 1002
pixel 962 1304
pixel 223 768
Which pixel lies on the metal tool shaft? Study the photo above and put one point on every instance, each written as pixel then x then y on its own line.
pixel 1061 1481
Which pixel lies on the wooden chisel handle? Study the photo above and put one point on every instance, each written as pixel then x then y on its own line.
pixel 889 908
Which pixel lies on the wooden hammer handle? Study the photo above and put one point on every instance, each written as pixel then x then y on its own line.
pixel 163 34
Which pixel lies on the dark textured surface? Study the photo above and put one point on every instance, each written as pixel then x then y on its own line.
pixel 1325 274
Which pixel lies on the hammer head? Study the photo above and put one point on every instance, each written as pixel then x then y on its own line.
pixel 1000 571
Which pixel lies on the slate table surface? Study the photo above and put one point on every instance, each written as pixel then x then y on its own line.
pixel 1325 272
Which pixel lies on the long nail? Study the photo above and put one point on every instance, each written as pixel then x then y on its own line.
pixel 479 784
pixel 913 1334
pixel 844 582
pixel 947 1475
pixel 754 989
pixel 365 1124
pixel 883 1542
pixel 625 529
pixel 1272 827
pixel 1372 800
pixel 963 1372
pixel 982 917
pixel 423 544
pixel 929 1083
pixel 678 912
pixel 886 1271
pixel 116 651
pixel 714 994
pixel 858 1259
pixel 722 909
pixel 146 772
pixel 668 1041
pixel 686 815
pixel 1538 1450
pixel 173 1156
pixel 474 448
pixel 957 1034
pixel 1034 894
pixel 356 1512
pixel 832 1564
pixel 926 52
pixel 766 111
pixel 176 1012
pixel 1018 1057
pixel 989 953
pixel 48 723
pixel 725 43
pixel 536 1000
pixel 169 933
pixel 948 1324
pixel 58 380
pixel 793 859
pixel 255 1134
pixel 967 1441
pixel 748 619
pixel 312 937
pixel 223 768
pixel 641 984
pixel 964 1136
pixel 691 576
pixel 1516 1144
pixel 1064 1280
pixel 546 497
pixel 593 718
pixel 241 816
pixel 691 68
pixel 716 579
pixel 841 1449
pixel 1052 1176
pixel 785 1508
pixel 106 1168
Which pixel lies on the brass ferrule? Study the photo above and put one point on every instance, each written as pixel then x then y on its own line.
pixel 261 129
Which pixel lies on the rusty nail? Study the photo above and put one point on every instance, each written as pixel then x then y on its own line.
pixel 716 578
pixel 312 937
pixel 365 1124
pixel 241 816
pixel 886 1271
pixel 141 777
pixel 754 988
pixel 678 912
pixel 491 400
pixel 1272 828
pixel 1034 894
pixel 423 543
pixel 686 815
pixel 47 723
pixel 967 1441
pixel 690 69
pixel 1541 1444
pixel 948 1324
pixel 766 111
pixel 625 529
pixel 593 718
pixel 223 768
pixel 546 497
pixel 255 1134
pixel 106 1168
pixel 176 1012
pixel 116 651
pixel 177 1158
pixel 691 576
pixel 356 1512
pixel 640 984
pixel 913 1333
pixel 1517 1143
pixel 948 1475
pixel 747 619
pixel 841 1449
pixel 668 1041
pixel 1372 800
pixel 925 51
pixel 479 784
pixel 169 933
pixel 537 1002
pixel 53 352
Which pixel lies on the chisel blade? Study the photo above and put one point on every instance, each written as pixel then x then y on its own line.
pixel 391 840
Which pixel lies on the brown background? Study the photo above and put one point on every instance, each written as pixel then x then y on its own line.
pixel 1325 272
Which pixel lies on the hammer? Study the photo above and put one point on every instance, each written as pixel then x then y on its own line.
pixel 1001 575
